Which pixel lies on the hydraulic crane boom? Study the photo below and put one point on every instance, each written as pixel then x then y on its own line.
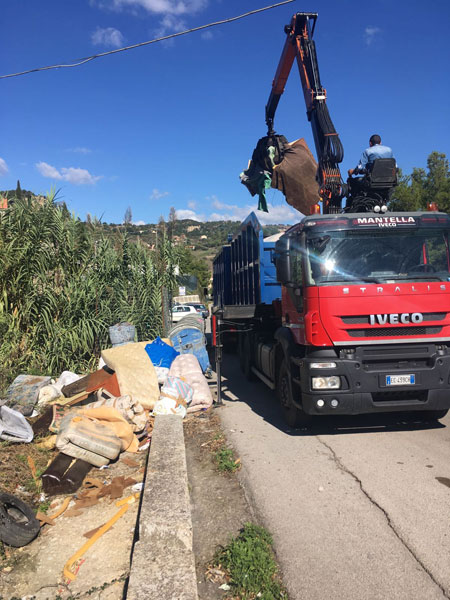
pixel 299 45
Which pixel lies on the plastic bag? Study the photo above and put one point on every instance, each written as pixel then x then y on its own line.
pixel 160 353
pixel 168 406
pixel 13 426
pixel 161 374
pixel 23 393
pixel 48 393
pixel 178 389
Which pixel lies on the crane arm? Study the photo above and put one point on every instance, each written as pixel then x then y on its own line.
pixel 300 45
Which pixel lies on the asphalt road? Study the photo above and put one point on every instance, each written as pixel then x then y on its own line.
pixel 355 505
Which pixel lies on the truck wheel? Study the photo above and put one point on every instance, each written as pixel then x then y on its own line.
pixel 434 415
pixel 245 359
pixel 293 416
pixel 18 525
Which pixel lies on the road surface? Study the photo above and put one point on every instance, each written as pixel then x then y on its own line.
pixel 359 507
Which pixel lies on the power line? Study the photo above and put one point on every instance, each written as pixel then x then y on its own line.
pixel 160 39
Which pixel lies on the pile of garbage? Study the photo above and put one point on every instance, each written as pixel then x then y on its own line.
pixel 90 420
pixel 287 166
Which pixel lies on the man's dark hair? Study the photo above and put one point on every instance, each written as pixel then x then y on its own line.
pixel 375 139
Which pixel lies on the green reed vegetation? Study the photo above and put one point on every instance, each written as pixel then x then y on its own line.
pixel 63 283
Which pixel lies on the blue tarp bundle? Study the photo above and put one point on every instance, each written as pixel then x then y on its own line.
pixel 160 353
pixel 191 341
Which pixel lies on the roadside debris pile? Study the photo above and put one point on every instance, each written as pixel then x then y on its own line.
pixel 88 422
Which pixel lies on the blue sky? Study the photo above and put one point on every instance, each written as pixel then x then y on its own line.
pixel 174 123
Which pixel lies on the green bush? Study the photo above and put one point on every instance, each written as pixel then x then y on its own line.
pixel 62 284
pixel 248 558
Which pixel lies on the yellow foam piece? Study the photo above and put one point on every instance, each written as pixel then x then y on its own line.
pixel 135 373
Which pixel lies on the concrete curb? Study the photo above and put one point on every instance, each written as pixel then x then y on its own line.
pixel 163 564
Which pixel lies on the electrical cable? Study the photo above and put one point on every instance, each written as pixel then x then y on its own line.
pixel 83 61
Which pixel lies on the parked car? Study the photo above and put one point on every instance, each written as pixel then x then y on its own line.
pixel 182 310
pixel 200 308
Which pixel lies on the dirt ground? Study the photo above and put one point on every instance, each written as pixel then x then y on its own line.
pixel 218 504
pixel 15 474
pixel 35 572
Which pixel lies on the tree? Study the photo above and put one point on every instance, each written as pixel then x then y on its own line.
pixel 172 221
pixel 161 231
pixel 128 216
pixel 18 191
pixel 190 265
pixel 422 187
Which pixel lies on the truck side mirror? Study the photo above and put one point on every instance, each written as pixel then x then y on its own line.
pixel 283 260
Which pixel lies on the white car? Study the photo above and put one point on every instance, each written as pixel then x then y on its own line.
pixel 182 310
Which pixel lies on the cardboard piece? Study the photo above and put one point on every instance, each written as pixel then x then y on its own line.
pixel 103 378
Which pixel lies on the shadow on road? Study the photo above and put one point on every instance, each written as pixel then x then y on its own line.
pixel 235 388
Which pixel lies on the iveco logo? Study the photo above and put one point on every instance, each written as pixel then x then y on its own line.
pixel 396 318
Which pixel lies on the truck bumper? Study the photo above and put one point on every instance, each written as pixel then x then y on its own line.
pixel 364 374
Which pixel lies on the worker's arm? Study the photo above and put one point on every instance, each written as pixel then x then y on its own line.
pixel 361 166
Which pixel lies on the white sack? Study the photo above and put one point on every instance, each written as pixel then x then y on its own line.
pixel 187 367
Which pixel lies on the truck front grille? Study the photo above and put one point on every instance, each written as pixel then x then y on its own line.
pixel 364 319
pixel 393 331
pixel 399 396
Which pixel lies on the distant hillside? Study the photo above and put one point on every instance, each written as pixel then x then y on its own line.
pixel 11 194
pixel 204 239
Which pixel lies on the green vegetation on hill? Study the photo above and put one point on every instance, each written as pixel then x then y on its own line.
pixel 17 193
pixel 417 190
pixel 204 240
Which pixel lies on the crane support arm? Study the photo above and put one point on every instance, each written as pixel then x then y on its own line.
pixel 300 45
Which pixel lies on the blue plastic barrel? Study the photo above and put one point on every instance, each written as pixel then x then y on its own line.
pixel 122 333
pixel 190 340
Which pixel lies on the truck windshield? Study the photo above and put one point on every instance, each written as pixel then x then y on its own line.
pixel 392 255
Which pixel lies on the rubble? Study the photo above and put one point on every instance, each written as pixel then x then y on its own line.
pixel 86 423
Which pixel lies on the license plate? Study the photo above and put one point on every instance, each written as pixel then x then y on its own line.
pixel 400 379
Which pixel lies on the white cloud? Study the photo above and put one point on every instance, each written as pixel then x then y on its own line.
pixel 170 24
pixel 192 204
pixel 232 212
pixel 170 11
pixel 157 194
pixel 207 35
pixel 70 174
pixel 80 150
pixel 216 203
pixel 107 36
pixel 161 7
pixel 3 167
pixel 138 222
pixel 47 170
pixel 277 214
pixel 370 33
pixel 189 214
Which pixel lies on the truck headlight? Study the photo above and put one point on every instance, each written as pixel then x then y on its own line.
pixel 326 383
pixel 322 365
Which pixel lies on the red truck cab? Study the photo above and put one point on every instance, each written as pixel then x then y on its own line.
pixel 365 313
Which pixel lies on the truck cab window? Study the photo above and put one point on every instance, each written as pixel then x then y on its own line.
pixel 378 255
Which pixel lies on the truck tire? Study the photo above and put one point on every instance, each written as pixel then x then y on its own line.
pixel 18 525
pixel 245 358
pixel 293 416
pixel 434 415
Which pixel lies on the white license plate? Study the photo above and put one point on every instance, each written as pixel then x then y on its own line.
pixel 400 379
